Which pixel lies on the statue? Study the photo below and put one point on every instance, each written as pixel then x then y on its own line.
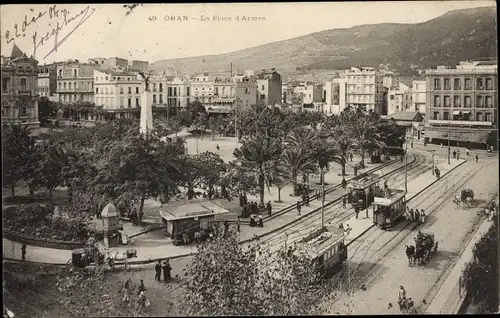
pixel 146 80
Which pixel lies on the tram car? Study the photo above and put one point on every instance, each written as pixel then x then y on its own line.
pixel 327 249
pixel 389 209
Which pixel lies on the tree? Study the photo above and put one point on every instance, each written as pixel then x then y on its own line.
pixel 237 179
pixel 296 160
pixel 323 152
pixel 50 167
pixel 363 127
pixel 254 154
pixel 279 176
pixel 341 140
pixel 46 109
pixel 228 279
pixel 211 167
pixel 16 150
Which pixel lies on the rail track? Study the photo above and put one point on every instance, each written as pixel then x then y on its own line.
pixel 365 273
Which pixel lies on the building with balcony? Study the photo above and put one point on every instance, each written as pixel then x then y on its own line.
pixel 312 93
pixel 462 103
pixel 119 93
pixel 335 96
pixel 75 81
pixel 419 97
pixel 47 81
pixel 203 89
pixel 399 98
pixel 269 87
pixel 20 88
pixel 364 88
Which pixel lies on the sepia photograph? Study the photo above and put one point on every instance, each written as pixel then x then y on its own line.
pixel 250 159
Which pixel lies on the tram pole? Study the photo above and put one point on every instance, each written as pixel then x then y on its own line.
pixel 449 151
pixel 406 166
pixel 322 198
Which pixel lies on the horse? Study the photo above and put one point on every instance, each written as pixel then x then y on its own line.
pixel 410 253
pixel 419 256
pixel 406 305
pixel 457 201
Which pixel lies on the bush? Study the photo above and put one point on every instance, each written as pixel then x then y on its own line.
pixel 36 221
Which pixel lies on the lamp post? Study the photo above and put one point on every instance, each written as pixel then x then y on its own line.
pixel 406 166
pixel 322 198
pixel 449 151
pixel 433 162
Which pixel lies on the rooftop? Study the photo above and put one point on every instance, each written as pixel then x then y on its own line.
pixel 194 209
pixel 320 240
pixel 406 116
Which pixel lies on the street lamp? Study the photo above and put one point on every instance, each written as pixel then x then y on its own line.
pixel 433 163
pixel 449 151
pixel 322 198
pixel 406 166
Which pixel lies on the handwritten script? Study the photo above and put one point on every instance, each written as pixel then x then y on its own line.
pixel 57 20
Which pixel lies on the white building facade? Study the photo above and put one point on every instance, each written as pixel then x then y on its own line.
pixel 419 96
pixel 364 88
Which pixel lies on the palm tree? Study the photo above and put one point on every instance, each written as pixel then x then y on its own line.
pixel 254 154
pixel 363 128
pixel 323 152
pixel 296 159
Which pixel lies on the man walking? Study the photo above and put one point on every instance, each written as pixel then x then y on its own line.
pixel 344 201
pixel 158 271
pixel 412 215
pixel 454 154
pixel 238 224
pixel 269 208
pixel 458 155
pixel 350 156
pixel 23 252
pixel 299 207
pixel 166 271
pixel 477 158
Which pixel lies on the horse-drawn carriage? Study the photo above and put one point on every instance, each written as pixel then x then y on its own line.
pixel 81 259
pixel 425 247
pixel 466 198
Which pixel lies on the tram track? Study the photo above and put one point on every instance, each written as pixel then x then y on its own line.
pixel 365 275
pixel 308 223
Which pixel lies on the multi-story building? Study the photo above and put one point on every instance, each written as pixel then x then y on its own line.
pixel 419 96
pixel 364 88
pixel 47 81
pixel 19 88
pixel 399 99
pixel 119 93
pixel 178 94
pixel 269 87
pixel 335 96
pixel 75 81
pixel 115 63
pixel 312 93
pixel 136 65
pixel 462 104
pixel 228 91
pixel 203 89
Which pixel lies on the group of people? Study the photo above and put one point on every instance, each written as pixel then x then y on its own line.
pixel 166 268
pixel 256 220
pixel 142 300
pixel 415 215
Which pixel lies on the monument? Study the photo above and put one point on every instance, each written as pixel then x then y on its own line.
pixel 110 224
pixel 146 124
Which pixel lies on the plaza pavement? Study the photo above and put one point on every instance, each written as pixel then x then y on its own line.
pixel 156 245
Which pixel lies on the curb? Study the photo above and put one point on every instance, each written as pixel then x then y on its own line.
pixel 407 200
pixel 45 243
pixel 147 231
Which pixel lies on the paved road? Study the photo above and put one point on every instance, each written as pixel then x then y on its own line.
pixel 378 260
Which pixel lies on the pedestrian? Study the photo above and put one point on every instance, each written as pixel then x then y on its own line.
pixel 412 144
pixel 299 207
pixel 269 208
pixel 386 186
pixel 307 199
pixel 217 147
pixel 344 183
pixel 417 216
pixel 350 155
pixel 344 201
pixel 356 210
pixel 141 288
pixel 238 224
pixel 422 216
pixel 23 252
pixel 261 221
pixel 458 155
pixel 402 293
pixel 477 158
pixel 412 215
pixel 158 271
pixel 454 154
pixel 141 215
pixel 166 271
pixel 467 152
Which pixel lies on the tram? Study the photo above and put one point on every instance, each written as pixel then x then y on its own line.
pixel 326 248
pixel 387 210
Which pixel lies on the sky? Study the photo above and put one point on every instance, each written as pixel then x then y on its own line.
pixel 154 32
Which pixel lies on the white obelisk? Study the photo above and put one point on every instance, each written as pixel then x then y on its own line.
pixel 146 112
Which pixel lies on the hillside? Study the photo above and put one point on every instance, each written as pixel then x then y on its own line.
pixel 457 35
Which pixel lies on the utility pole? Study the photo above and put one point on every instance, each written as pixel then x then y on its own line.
pixel 449 151
pixel 322 198
pixel 406 166
pixel 433 163
pixel 498 255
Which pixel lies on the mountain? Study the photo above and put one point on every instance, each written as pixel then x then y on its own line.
pixel 457 35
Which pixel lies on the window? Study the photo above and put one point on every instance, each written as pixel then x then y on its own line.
pixel 24 111
pixel 161 87
pixel 216 91
pixel 437 101
pixel 6 82
pixel 75 73
pixel 456 101
pixel 60 73
pixel 23 84
pixel 169 91
pixel 160 98
pixel 97 90
pixel 489 101
pixel 447 101
pixel 437 84
pixel 154 87
pixel 466 101
pixel 137 90
pixel 480 101
pixel 130 90
pixel 479 83
pixel 122 101
pixel 75 85
pixel 154 98
pixel 456 84
pixel 467 84
pixel 121 90
pixel 487 117
pixel 137 102
pixel 187 92
pixel 489 83
pixel 69 85
pixel 479 116
pixel 129 102
pixel 447 85
pixel 223 91
pixel 446 116
pixel 262 87
pixel 108 77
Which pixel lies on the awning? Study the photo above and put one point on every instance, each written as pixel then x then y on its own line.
pixel 464 135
